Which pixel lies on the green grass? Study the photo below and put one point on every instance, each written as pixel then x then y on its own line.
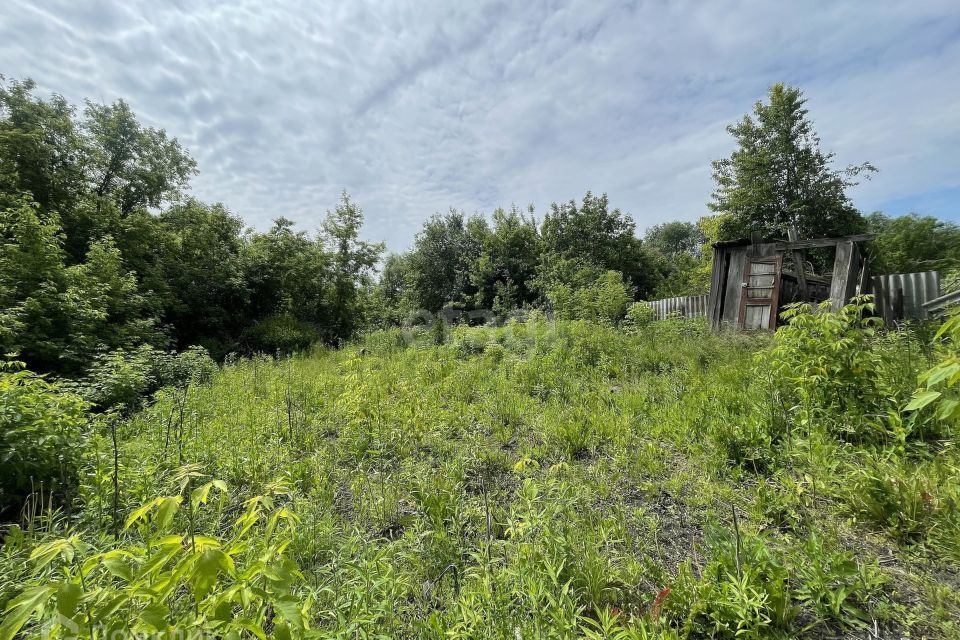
pixel 542 480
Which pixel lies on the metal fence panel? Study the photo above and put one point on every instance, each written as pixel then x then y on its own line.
pixel 686 306
pixel 901 296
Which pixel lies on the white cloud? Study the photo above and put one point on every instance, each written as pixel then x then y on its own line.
pixel 416 107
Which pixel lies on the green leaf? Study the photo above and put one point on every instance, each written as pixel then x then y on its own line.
pixel 922 399
pixel 166 511
pixel 22 607
pixel 68 597
pixel 947 408
pixel 211 562
pixel 281 631
pixel 117 566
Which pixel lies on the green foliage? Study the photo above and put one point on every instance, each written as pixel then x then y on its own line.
pixel 543 478
pixel 916 502
pixel 41 437
pixel 826 362
pixel 122 379
pixel 639 316
pixel 911 243
pixel 938 399
pixel 778 176
pixel 589 295
pixel 281 334
pixel 593 234
pixel 169 580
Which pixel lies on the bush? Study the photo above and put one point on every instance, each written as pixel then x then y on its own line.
pixel 281 334
pixel 601 298
pixel 123 378
pixel 41 437
pixel 639 315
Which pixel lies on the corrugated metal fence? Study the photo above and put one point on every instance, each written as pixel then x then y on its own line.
pixel 687 306
pixel 901 296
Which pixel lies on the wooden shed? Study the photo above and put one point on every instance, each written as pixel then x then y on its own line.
pixel 753 279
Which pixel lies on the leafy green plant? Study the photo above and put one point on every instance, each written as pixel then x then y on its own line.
pixel 42 437
pixel 167 581
pixel 939 395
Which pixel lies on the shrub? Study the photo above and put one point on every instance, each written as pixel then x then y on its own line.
pixel 639 315
pixel 938 400
pixel 41 436
pixel 602 298
pixel 123 378
pixel 837 369
pixel 168 581
pixel 281 334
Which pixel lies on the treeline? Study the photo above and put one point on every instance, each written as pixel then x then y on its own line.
pixel 582 260
pixel 103 254
pixel 103 250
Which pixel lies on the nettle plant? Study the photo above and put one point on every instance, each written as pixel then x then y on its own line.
pixel 166 582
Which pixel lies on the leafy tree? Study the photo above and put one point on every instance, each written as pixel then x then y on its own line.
pixel 40 148
pixel 595 296
pixel 33 321
pixel 597 235
pixel 504 271
pixel 441 260
pixel 203 270
pixel 352 261
pixel 679 250
pixel 674 238
pixel 778 176
pixel 286 272
pixel 106 311
pixel 132 165
pixel 391 302
pixel 912 243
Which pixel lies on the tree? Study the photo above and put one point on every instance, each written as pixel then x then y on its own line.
pixel 41 150
pixel 595 234
pixel 352 261
pixel 912 243
pixel 673 238
pixel 131 165
pixel 33 322
pixel 105 309
pixel 391 301
pixel 503 272
pixel 778 176
pixel 443 253
pixel 202 269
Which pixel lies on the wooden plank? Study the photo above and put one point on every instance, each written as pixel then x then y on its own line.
pixel 846 265
pixel 820 243
pixel 732 288
pixel 717 275
pixel 798 260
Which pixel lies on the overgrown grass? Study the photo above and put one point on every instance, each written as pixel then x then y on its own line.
pixel 535 480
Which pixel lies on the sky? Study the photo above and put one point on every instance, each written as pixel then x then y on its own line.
pixel 417 107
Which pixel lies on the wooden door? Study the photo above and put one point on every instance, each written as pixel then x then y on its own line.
pixel 760 293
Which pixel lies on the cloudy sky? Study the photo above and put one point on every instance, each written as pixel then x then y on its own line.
pixel 416 107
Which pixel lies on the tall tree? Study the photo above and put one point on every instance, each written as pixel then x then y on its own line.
pixel 778 176
pixel 352 261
